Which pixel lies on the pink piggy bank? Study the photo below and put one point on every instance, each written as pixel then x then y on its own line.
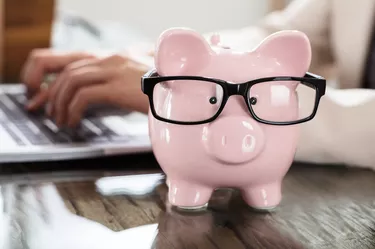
pixel 221 118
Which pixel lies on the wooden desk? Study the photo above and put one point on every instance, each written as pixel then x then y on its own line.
pixel 323 207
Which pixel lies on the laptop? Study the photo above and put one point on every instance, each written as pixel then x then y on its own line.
pixel 29 137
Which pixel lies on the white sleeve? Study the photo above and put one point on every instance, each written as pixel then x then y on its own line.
pixel 343 130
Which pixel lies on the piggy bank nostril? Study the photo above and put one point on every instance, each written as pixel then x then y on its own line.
pixel 248 143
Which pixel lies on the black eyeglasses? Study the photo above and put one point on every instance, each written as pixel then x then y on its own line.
pixel 192 100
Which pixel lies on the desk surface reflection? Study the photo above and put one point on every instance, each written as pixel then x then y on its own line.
pixel 322 207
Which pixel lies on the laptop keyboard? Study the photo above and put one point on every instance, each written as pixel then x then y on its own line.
pixel 36 129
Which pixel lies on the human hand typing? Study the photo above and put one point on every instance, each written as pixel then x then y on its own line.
pixel 40 63
pixel 82 79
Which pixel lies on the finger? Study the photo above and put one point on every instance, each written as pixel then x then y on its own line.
pixel 72 77
pixel 53 89
pixel 37 101
pixel 112 61
pixel 79 79
pixel 43 61
pixel 62 79
pixel 100 93
pixel 82 63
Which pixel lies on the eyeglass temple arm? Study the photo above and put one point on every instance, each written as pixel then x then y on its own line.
pixel 151 73
pixel 313 76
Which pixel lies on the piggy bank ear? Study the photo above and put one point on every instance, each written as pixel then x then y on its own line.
pixel 290 49
pixel 181 51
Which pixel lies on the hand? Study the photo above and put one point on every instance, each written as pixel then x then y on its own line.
pixel 83 79
pixel 113 80
pixel 40 63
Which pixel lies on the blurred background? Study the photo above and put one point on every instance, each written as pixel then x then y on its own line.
pixel 111 24
pixel 152 17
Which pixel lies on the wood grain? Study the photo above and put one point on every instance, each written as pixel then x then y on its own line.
pixel 323 207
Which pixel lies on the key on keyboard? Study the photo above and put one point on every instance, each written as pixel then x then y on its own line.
pixel 33 133
pixel 11 135
pixel 10 110
pixel 6 140
pixel 39 130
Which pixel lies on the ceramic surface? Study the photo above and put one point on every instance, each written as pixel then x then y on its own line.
pixel 234 150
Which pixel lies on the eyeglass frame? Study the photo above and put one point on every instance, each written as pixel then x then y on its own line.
pixel 152 78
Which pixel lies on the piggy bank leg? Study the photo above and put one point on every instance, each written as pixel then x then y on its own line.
pixel 263 197
pixel 187 195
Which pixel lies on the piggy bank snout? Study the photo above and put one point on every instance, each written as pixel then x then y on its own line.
pixel 234 139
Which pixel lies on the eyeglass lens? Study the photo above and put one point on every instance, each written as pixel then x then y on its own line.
pixel 282 101
pixel 187 100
